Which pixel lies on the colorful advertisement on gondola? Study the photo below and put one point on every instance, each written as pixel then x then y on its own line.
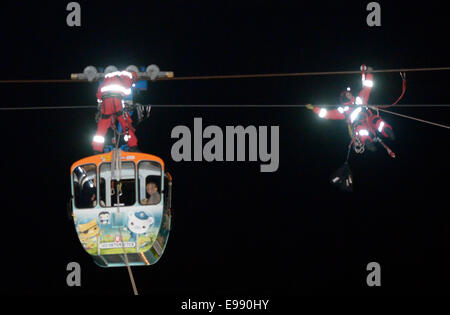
pixel 108 232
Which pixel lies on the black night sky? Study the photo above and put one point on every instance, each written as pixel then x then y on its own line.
pixel 237 232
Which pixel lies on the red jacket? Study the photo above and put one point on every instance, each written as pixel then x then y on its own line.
pixel 113 89
pixel 344 111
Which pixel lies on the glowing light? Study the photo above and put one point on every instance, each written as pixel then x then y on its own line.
pixel 348 89
pixel 99 139
pixel 358 100
pixel 346 108
pixel 368 83
pixel 381 126
pixel 340 110
pixel 355 114
pixel 115 88
pixel 363 132
pixel 119 73
pixel 322 113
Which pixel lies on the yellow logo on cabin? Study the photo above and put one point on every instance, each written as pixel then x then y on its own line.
pixel 88 230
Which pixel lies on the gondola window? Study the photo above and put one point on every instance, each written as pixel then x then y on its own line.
pixel 85 186
pixel 111 187
pixel 149 183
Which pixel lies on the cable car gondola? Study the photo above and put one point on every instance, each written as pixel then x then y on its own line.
pixel 116 219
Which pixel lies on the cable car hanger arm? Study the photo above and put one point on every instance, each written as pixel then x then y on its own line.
pixel 151 73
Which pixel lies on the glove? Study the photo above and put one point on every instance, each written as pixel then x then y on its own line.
pixel 309 106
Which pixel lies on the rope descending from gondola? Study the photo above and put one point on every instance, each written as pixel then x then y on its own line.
pixel 117 166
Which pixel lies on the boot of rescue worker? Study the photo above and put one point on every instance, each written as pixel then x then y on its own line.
pixel 382 127
pixel 366 137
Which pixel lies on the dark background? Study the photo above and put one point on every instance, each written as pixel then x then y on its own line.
pixel 236 231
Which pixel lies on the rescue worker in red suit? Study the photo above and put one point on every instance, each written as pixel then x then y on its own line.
pixel 363 123
pixel 110 94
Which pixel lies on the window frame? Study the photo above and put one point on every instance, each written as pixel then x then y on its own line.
pixel 75 207
pixel 160 184
pixel 110 180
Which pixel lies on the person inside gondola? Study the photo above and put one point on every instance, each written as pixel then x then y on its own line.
pixel 154 196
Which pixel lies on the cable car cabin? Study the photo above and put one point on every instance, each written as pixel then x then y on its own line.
pixel 126 208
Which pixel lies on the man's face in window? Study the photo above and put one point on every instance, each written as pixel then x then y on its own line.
pixel 151 188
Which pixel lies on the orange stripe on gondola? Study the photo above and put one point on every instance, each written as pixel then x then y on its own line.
pixel 125 156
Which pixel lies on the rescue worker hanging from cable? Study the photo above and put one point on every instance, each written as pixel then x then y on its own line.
pixel 365 127
pixel 110 96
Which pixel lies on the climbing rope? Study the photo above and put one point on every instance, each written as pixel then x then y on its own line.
pixel 416 119
pixel 117 166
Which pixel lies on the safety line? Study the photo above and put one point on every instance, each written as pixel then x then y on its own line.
pixel 117 166
pixel 413 118
pixel 295 74
pixel 244 76
pixel 379 107
pixel 42 81
pixel 218 106
pixel 47 107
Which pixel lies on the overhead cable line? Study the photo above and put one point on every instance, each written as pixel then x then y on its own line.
pixel 446 106
pixel 243 76
pixel 378 107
